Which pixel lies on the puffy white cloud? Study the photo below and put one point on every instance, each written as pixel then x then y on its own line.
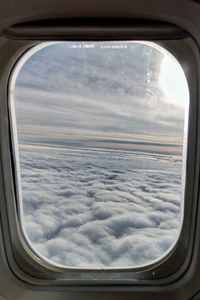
pixel 101 209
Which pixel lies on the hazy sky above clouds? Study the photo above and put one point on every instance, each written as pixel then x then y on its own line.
pixel 89 94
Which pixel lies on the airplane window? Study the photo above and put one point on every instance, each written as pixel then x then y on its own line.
pixel 101 139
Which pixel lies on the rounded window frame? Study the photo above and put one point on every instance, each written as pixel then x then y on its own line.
pixel 152 275
pixel 13 125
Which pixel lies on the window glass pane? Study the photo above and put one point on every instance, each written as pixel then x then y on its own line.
pixel 101 133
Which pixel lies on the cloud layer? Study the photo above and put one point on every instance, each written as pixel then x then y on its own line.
pixel 92 209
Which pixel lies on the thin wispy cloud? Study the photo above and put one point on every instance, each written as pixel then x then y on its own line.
pixel 110 91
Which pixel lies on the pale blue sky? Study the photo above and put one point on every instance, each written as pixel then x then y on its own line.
pixel 75 93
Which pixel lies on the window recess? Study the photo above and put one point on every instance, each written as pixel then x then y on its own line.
pixel 100 136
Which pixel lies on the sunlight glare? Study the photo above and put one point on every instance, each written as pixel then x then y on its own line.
pixel 173 82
